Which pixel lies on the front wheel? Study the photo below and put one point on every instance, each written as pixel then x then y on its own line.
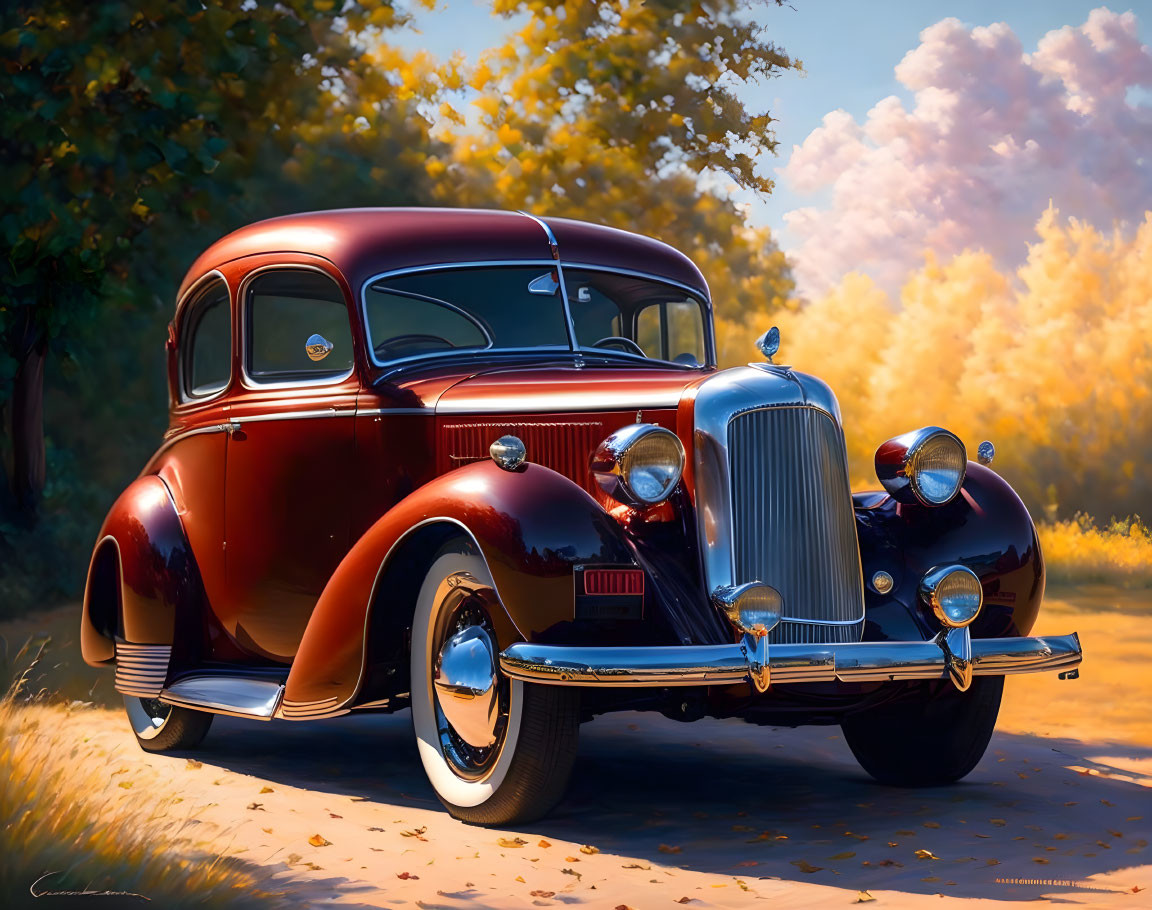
pixel 926 743
pixel 496 750
pixel 160 727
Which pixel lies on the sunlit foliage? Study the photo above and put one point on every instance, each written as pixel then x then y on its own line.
pixel 1053 364
pixel 626 114
pixel 1077 551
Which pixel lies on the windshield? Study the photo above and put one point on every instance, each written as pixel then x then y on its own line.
pixel 520 308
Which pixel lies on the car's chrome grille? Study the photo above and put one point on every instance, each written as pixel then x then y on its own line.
pixel 792 520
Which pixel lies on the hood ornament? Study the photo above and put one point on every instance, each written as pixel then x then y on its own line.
pixel 318 347
pixel 769 343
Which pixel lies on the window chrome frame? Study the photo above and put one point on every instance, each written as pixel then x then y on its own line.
pixel 574 348
pixel 254 384
pixel 186 299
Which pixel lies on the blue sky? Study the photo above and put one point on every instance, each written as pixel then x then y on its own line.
pixel 849 49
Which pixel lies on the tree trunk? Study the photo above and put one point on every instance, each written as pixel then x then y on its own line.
pixel 27 408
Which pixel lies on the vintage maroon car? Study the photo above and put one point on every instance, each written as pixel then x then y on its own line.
pixel 483 465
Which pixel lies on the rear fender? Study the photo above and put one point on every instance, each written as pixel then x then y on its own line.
pixel 531 526
pixel 142 574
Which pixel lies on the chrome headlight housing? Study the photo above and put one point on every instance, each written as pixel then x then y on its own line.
pixel 954 593
pixel 925 466
pixel 640 464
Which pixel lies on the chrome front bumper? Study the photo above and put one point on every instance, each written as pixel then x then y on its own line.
pixel 952 655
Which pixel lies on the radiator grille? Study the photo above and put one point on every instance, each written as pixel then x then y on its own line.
pixel 564 447
pixel 141 669
pixel 793 526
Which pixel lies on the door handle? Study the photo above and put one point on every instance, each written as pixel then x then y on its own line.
pixel 232 428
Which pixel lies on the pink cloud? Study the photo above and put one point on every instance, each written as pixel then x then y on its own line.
pixel 993 134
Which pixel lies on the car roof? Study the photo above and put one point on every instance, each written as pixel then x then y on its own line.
pixel 363 243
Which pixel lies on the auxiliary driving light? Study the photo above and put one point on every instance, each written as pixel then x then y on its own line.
pixel 753 608
pixel 954 593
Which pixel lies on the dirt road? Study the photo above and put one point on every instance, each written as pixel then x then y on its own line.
pixel 716 813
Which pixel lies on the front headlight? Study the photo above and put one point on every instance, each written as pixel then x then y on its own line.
pixel 639 464
pixel 925 466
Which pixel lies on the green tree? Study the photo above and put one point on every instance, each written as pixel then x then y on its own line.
pixel 131 131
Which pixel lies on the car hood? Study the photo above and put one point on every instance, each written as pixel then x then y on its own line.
pixel 556 389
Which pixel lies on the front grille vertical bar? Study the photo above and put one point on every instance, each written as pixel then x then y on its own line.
pixel 793 525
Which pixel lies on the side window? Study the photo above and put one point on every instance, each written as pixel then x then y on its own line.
pixel 206 342
pixel 672 331
pixel 296 328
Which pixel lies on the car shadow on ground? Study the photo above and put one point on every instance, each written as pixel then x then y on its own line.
pixel 749 802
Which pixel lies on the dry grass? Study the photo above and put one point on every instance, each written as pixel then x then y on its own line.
pixel 66 808
pixel 1078 552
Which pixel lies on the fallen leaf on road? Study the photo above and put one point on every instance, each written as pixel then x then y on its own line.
pixel 749 862
pixel 543 843
pixel 623 907
pixel 983 835
pixel 407 875
pixel 1041 860
pixel 926 854
pixel 1133 818
pixel 255 806
pixel 520 879
pixel 1136 889
pixel 992 862
pixel 571 859
pixel 931 878
pixel 334 815
pixel 1106 803
pixel 589 850
pixel 191 764
pixel 1115 833
pixel 511 842
pixel 293 858
pixel 862 897
pixel 126 784
pixel 804 866
pixel 542 893
pixel 847 855
pixel 317 840
pixel 572 872
pixel 685 900
pixel 639 866
pixel 931 824
pixel 375 829
pixel 998 822
pixel 1060 837
pixel 906 833
pixel 266 830
pixel 667 848
pixel 266 790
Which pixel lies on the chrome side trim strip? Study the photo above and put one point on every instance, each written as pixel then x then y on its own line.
pixel 255 698
pixel 695 665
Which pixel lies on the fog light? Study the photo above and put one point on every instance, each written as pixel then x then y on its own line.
pixel 753 608
pixel 954 593
pixel 882 582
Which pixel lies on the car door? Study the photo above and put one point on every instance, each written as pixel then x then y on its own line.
pixel 289 457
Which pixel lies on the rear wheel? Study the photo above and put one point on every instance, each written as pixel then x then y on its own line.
pixel 927 743
pixel 161 727
pixel 497 751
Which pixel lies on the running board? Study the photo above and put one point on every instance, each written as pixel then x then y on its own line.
pixel 238 696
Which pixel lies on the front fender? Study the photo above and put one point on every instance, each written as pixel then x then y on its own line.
pixel 986 528
pixel 532 526
pixel 142 571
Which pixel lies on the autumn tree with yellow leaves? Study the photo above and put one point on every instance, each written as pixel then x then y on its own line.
pixel 628 114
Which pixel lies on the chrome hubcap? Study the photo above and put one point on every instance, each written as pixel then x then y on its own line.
pixel 469 693
pixel 147 715
pixel 466 686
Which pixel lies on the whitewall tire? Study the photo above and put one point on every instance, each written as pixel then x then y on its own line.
pixel 496 751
